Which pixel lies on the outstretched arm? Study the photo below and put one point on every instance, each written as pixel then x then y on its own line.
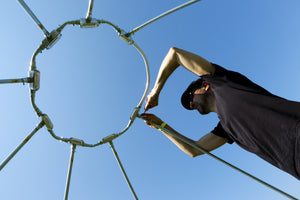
pixel 208 142
pixel 176 57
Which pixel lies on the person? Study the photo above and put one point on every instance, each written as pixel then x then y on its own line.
pixel 249 115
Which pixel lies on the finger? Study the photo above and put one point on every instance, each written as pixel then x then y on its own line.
pixel 146 116
pixel 148 123
pixel 147 104
pixel 147 107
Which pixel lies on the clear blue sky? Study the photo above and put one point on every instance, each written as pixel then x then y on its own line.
pixel 91 81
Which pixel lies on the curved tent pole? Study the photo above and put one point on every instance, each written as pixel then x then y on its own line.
pixel 34 78
pixel 35 85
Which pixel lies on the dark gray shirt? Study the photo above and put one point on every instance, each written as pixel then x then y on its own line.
pixel 258 121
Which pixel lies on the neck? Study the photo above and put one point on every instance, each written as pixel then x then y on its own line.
pixel 212 103
pixel 214 107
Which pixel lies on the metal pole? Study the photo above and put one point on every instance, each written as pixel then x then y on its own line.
pixel 35 19
pixel 223 161
pixel 123 170
pixel 138 107
pixel 161 16
pixel 40 125
pixel 73 147
pixel 20 80
pixel 90 10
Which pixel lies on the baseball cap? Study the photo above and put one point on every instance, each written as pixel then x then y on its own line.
pixel 186 97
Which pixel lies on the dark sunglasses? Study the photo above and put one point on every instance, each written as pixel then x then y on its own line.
pixel 191 96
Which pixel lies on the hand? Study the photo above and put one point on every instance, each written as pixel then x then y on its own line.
pixel 151 101
pixel 151 118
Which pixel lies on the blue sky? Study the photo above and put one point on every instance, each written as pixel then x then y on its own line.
pixel 91 81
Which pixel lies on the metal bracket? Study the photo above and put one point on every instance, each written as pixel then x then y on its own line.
pixel 89 23
pixel 35 77
pixel 109 138
pixel 135 113
pixel 50 40
pixel 47 121
pixel 125 38
pixel 76 141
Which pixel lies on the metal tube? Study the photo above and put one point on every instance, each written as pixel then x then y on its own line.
pixel 161 16
pixel 20 80
pixel 35 19
pixel 123 170
pixel 74 22
pixel 33 57
pixel 73 147
pixel 147 72
pixel 138 107
pixel 90 10
pixel 136 110
pixel 111 24
pixel 32 98
pixel 40 125
pixel 223 161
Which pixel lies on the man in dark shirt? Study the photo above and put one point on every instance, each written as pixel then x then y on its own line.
pixel 255 119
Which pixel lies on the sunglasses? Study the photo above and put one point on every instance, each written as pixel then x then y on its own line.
pixel 191 96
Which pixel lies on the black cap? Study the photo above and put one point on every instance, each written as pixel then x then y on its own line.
pixel 186 96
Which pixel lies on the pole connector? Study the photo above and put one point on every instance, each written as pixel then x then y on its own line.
pixel 125 37
pixel 135 113
pixel 51 39
pixel 76 141
pixel 47 121
pixel 109 138
pixel 35 79
pixel 89 23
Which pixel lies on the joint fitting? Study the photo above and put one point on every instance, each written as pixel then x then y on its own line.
pixel 135 113
pixel 50 40
pixel 76 141
pixel 34 76
pixel 125 38
pixel 89 23
pixel 109 138
pixel 47 121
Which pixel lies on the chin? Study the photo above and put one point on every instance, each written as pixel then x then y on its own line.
pixel 202 111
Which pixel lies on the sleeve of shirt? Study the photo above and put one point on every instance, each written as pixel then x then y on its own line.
pixel 219 131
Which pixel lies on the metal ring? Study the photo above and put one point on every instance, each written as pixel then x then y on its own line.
pixel 134 114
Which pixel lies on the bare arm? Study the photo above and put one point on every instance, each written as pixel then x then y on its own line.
pixel 176 57
pixel 208 142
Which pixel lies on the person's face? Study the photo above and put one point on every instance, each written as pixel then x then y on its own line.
pixel 199 101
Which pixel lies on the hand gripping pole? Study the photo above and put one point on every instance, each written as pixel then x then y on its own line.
pixel 223 161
